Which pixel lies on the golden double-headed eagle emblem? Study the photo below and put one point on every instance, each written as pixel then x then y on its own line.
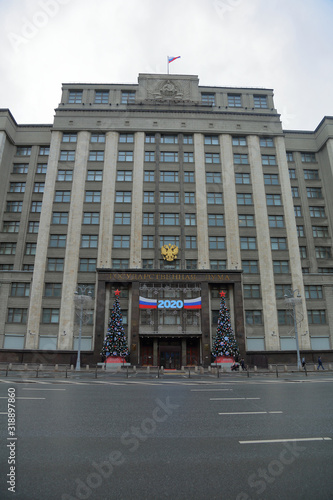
pixel 169 252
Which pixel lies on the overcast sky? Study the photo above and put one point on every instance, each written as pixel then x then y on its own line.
pixel 281 44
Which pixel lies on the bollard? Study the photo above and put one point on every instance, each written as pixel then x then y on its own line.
pixel 66 372
pixel 270 368
pixel 248 372
pixel 87 368
pixel 209 368
pixel 218 371
pixel 255 368
pixel 189 372
pixel 158 372
pixel 25 366
pixel 56 368
pixel 134 369
pixel 7 370
pixel 126 371
pixel 37 372
pixel 306 372
pixel 148 369
pixel 202 370
pixel 72 368
pixel 96 372
pixel 277 371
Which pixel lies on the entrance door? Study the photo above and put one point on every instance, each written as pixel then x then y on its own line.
pixel 170 357
pixel 146 354
pixel 192 352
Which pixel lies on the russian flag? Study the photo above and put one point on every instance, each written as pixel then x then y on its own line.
pixel 192 303
pixel 147 303
pixel 173 58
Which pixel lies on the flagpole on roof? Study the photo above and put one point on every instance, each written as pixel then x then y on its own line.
pixel 168 64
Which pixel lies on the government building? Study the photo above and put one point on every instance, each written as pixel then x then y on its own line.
pixel 168 192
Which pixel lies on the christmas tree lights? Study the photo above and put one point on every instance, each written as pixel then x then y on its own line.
pixel 224 342
pixel 115 342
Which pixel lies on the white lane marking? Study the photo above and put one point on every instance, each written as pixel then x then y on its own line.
pixel 19 397
pixel 249 412
pixel 293 440
pixel 3 413
pixel 207 390
pixel 40 389
pixel 231 399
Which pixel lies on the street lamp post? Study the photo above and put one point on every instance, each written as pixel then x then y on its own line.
pixel 82 299
pixel 290 299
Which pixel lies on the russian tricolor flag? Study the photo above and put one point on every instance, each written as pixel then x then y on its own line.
pixel 173 58
pixel 192 303
pixel 147 303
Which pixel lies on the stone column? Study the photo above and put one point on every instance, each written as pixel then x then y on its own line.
pixel 137 202
pixel 73 242
pixel 294 255
pixel 37 285
pixel 108 197
pixel 201 202
pixel 264 246
pixel 230 204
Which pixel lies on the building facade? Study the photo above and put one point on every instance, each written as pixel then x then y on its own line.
pixel 167 191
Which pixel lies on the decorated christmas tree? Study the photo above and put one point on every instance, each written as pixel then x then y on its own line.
pixel 224 343
pixel 115 342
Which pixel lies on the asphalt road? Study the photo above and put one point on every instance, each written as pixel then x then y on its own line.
pixel 174 439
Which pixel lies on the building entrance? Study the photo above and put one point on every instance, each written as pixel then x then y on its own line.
pixel 170 357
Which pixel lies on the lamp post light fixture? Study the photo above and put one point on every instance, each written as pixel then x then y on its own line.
pixel 292 300
pixel 83 297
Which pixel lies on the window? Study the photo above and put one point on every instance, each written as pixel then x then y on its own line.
pixel 20 290
pixel 212 139
pixel 65 175
pixel 242 178
pixel 148 219
pixel 216 220
pixel 275 221
pixel 191 264
pixel 90 218
pixel 30 249
pixel 317 212
pixel 279 243
pixel 190 220
pixel 260 101
pixel 96 156
pixel 14 206
pixel 148 197
pixel 325 270
pixel 60 218
pixel 323 252
pixel 44 150
pixel 23 151
pixel 308 157
pixel 89 241
pixel 123 197
pixel 75 97
pixel 208 99
pixel 218 265
pixel 149 176
pixel 150 138
pixel 281 290
pixel 239 141
pixel 290 156
pixel 271 179
pixel 246 220
pixel 234 100
pixel 313 291
pixel 67 156
pixel 41 168
pixel 266 142
pixel 169 219
pixel 92 197
pixel 17 187
pixel 212 157
pixel 188 157
pixel 188 176
pixel 292 173
pixel 17 315
pixel 33 227
pixel 285 317
pixel 147 241
pixel 126 138
pixel 191 242
pixel 251 291
pixel 62 197
pixel 320 231
pixel 149 156
pixel 11 226
pixel 314 192
pixel 244 199
pixel 214 199
pixel 280 266
pixel 311 175
pixel 253 317
pixel 294 192
pixel 52 289
pixel 50 315
pixel 189 198
pixel 95 175
pixel 268 159
pixel 127 97
pixel 121 241
pixel 169 139
pixel 250 266
pixel 147 264
pixel 58 240
pixel 36 206
pixel 20 168
pixel 273 199
pixel 317 317
pixel 241 159
pixel 69 137
pixel 303 252
pixel 216 242
pixel 120 264
pixel 248 243
pixel 300 231
pixel 297 211
pixel 213 178
pixel 124 176
pixel 169 240
pixel 55 264
pixel 122 218
pixel 39 187
pixel 101 97
pixel 7 248
pixel 169 197
pixel 99 138
pixel 166 176
pixel 169 156
pixel 187 139
pixel 87 265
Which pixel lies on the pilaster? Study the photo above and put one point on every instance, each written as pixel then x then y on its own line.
pixel 137 202
pixel 201 202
